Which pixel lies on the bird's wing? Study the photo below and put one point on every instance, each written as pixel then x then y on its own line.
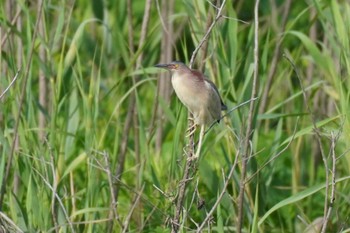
pixel 223 106
pixel 213 104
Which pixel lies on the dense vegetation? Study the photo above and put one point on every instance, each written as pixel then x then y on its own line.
pixel 93 140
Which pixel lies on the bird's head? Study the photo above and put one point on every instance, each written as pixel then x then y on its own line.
pixel 173 66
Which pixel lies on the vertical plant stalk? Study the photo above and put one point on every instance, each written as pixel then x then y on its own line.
pixel 15 22
pixel 19 44
pixel 42 78
pixel 319 97
pixel 19 47
pixel 132 103
pixel 205 45
pixel 249 130
pixel 190 152
pixel 218 200
pixel 128 217
pixel 164 85
pixel 59 200
pixel 112 210
pixel 275 59
pixel 334 139
pixel 121 156
pixel 10 85
pixel 21 101
pixel 313 37
pixel 144 30
pixel 218 16
pixel 8 224
pixel 126 130
pixel 318 137
pixel 175 223
pixel 4 38
pixel 54 190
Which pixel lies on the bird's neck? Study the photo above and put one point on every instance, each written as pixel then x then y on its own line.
pixel 188 74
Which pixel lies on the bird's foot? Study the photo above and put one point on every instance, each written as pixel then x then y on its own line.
pixel 190 131
pixel 192 158
pixel 191 118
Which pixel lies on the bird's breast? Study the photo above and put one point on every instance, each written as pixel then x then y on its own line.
pixel 188 91
pixel 198 96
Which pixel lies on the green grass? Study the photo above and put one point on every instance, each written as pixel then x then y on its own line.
pixel 61 183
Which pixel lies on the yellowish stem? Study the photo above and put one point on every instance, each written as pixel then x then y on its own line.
pixel 199 146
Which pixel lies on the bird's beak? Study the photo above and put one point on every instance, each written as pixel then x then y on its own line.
pixel 164 66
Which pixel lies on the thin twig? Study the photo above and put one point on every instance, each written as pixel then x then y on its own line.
pixel 54 188
pixel 123 148
pixel 229 112
pixel 58 199
pixel 145 222
pixel 10 28
pixel 276 155
pixel 9 86
pixel 161 18
pixel 226 17
pixel 194 54
pixel 189 162
pixel 10 222
pixel 316 130
pixel 43 85
pixel 127 187
pixel 275 59
pixel 334 139
pixel 235 19
pixel 210 3
pixel 205 45
pixel 209 215
pixel 137 150
pixel 131 109
pixel 127 219
pixel 144 30
pixel 226 114
pixel 113 214
pixel 181 196
pixel 195 194
pixel 161 191
pixel 250 120
pixel 22 97
pixel 164 84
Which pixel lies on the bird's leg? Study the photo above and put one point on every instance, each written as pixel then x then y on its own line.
pixel 201 134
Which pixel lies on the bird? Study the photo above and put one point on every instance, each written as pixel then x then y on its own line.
pixel 198 94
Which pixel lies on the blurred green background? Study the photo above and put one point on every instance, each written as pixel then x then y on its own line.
pixel 93 139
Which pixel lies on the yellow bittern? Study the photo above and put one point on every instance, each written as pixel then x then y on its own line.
pixel 198 94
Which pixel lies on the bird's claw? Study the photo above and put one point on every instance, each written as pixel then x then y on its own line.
pixel 190 131
pixel 192 158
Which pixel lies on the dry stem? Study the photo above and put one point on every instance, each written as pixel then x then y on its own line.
pixel 10 85
pixel 250 122
pixel 190 152
pixel 318 137
pixel 334 139
pixel 131 110
pixel 22 97
pixel 211 212
pixel 275 60
pixel 136 202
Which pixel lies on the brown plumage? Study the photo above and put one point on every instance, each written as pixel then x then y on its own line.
pixel 198 94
